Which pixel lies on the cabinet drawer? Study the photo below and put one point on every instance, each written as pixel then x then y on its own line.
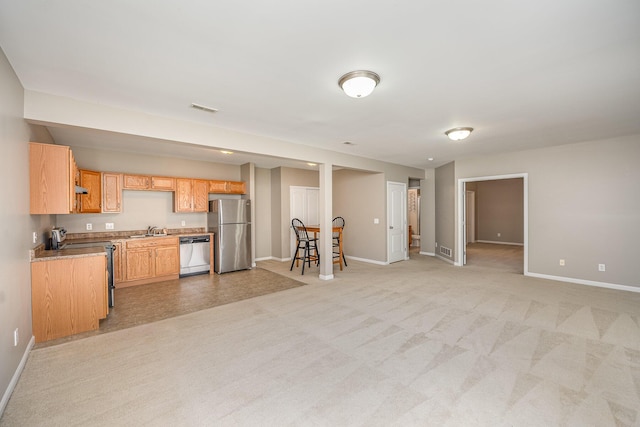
pixel 152 242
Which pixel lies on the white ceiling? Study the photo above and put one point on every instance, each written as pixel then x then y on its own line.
pixel 523 74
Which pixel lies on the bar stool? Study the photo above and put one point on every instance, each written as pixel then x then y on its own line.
pixel 308 245
pixel 338 222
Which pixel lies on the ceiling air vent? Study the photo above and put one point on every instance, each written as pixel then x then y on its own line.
pixel 204 108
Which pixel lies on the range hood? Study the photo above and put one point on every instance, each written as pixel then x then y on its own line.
pixel 81 190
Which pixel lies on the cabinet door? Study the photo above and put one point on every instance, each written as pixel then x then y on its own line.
pixel 167 260
pixel 51 179
pixel 183 195
pixel 111 192
pixel 117 263
pixel 163 183
pixel 139 263
pixel 68 296
pixel 92 181
pixel 236 187
pixel 136 182
pixel 200 195
pixel 218 187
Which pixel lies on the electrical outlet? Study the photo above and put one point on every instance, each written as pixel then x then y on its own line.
pixel 183 223
pixel 601 267
pixel 562 262
pixel 16 338
pixel 108 226
pixel 89 226
pixel 35 237
pixel 499 234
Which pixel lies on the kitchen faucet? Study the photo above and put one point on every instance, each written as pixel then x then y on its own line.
pixel 151 230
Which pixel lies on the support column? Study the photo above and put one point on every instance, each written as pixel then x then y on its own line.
pixel 326 217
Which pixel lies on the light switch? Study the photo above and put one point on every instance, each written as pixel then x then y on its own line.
pixel 376 221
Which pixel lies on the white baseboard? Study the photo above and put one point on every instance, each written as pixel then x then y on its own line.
pixel 16 376
pixel 499 243
pixel 272 258
pixel 586 282
pixel 445 259
pixel 427 253
pixel 370 261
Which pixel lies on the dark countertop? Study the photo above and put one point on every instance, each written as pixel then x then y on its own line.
pixel 43 255
pixel 40 254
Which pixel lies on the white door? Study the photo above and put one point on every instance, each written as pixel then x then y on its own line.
pixel 397 228
pixel 304 205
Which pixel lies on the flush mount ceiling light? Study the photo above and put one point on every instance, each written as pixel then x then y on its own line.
pixel 226 152
pixel 358 84
pixel 458 134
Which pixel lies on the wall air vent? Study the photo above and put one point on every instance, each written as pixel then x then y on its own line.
pixel 445 251
pixel 204 108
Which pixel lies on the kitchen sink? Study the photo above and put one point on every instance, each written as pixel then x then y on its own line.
pixel 140 236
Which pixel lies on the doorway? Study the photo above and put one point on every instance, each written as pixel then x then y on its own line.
pixel 503 242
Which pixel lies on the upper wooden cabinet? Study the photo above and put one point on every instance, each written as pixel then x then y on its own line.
pixel 92 182
pixel 136 182
pixel 227 187
pixel 163 183
pixel 236 187
pixel 192 195
pixel 144 182
pixel 52 179
pixel 111 192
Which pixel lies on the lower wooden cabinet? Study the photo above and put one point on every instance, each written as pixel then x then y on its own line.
pixel 150 260
pixel 68 296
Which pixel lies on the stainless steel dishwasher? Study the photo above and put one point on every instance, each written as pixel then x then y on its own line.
pixel 194 255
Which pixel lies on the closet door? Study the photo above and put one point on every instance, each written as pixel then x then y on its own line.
pixel 304 205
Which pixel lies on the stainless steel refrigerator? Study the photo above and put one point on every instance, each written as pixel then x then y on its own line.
pixel 230 220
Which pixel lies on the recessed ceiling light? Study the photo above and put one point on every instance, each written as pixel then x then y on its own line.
pixel 458 134
pixel 226 152
pixel 204 108
pixel 312 164
pixel 430 159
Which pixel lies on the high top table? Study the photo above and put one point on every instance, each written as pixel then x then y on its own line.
pixel 315 229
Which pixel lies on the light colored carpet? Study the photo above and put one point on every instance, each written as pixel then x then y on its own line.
pixel 414 343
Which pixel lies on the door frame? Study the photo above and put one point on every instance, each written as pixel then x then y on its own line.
pixel 403 214
pixel 470 217
pixel 461 250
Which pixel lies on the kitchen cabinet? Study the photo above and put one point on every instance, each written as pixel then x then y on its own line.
pixel 191 195
pixel 111 192
pixel 217 187
pixel 92 201
pixel 235 187
pixel 144 182
pixel 117 262
pixel 227 187
pixel 68 295
pixel 163 183
pixel 150 260
pixel 136 182
pixel 53 175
